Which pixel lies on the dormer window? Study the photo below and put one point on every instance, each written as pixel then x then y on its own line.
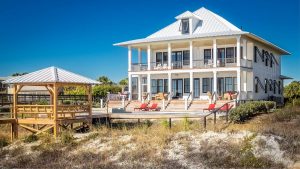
pixel 185 26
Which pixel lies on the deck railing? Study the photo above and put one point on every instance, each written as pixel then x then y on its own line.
pixel 35 111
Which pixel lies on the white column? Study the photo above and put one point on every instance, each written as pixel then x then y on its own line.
pixel 245 79
pixel 139 55
pixel 215 85
pixel 215 52
pixel 149 86
pixel 140 88
pixel 191 54
pixel 129 58
pixel 169 55
pixel 149 57
pixel 238 51
pixel 192 84
pixel 129 87
pixel 238 77
pixel 244 49
pixel 169 85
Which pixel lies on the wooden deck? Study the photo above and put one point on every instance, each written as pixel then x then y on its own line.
pixel 7 120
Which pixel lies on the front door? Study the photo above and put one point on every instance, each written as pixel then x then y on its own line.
pixel 177 88
pixel 220 86
pixel 196 88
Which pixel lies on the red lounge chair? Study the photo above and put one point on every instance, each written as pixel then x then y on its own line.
pixel 226 108
pixel 142 107
pixel 153 107
pixel 211 107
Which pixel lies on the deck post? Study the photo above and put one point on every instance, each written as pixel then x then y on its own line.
pixel 215 117
pixel 170 123
pixel 55 128
pixel 204 122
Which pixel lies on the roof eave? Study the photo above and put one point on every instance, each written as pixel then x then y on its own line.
pixel 282 51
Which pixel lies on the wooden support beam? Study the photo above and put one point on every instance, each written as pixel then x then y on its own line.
pixel 44 130
pixel 55 100
pixel 29 128
pixel 170 123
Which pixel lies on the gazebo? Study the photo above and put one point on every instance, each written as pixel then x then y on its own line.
pixel 53 115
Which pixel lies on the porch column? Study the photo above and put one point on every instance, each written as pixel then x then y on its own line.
pixel 238 51
pixel 149 57
pixel 140 87
pixel 149 86
pixel 139 55
pixel 215 85
pixel 129 58
pixel 244 49
pixel 191 54
pixel 238 77
pixel 129 87
pixel 192 84
pixel 169 85
pixel 215 52
pixel 169 56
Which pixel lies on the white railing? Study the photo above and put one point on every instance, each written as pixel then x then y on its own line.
pixel 246 63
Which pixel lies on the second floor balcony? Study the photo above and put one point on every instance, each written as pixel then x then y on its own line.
pixel 197 64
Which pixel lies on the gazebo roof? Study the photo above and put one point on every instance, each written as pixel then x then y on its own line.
pixel 51 75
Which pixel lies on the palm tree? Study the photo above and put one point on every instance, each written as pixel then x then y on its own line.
pixel 105 80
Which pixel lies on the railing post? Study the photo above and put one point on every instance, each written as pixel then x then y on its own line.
pixel 185 104
pixel 215 117
pixel 163 104
pixel 227 115
pixel 204 122
pixel 170 123
pixel 101 103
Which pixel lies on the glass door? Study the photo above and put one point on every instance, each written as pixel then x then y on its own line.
pixel 220 86
pixel 177 88
pixel 177 60
pixel 221 57
pixel 196 88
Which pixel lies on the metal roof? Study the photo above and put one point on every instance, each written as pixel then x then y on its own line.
pixel 211 25
pixel 285 77
pixel 51 75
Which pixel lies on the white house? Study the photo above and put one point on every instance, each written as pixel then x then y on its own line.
pixel 203 53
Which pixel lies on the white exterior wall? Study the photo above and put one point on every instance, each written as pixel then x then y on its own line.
pixel 263 72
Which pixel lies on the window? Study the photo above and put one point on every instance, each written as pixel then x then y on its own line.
pixel 274 86
pixel 266 86
pixel 186 57
pixel 160 86
pixel 153 86
pixel 166 85
pixel 162 58
pixel 228 84
pixel 256 85
pixel 187 85
pixel 279 87
pixel 165 57
pixel 230 55
pixel 185 26
pixel 207 55
pixel 207 84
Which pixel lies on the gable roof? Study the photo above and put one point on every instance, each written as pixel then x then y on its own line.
pixel 210 25
pixel 51 75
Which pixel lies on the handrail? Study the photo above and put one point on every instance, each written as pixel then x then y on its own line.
pixel 215 114
pixel 170 94
pixel 189 104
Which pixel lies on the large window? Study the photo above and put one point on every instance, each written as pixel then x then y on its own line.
pixel 230 55
pixel 207 84
pixel 186 57
pixel 162 58
pixel 185 26
pixel 166 90
pixel 187 85
pixel 158 86
pixel 230 84
pixel 207 55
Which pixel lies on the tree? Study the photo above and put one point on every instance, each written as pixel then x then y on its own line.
pixel 101 90
pixel 19 74
pixel 292 91
pixel 123 83
pixel 105 80
pixel 79 90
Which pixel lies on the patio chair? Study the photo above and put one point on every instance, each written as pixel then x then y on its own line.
pixel 211 107
pixel 165 66
pixel 225 108
pixel 143 106
pixel 153 107
pixel 157 67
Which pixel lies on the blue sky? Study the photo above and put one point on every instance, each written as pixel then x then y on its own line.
pixel 78 35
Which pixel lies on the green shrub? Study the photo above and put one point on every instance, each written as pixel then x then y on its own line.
pixel 66 137
pixel 165 123
pixel 3 142
pixel 31 138
pixel 250 109
pixel 42 102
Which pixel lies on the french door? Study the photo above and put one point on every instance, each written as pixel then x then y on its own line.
pixel 196 93
pixel 177 88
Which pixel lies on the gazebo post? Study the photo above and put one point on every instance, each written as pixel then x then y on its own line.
pixel 55 100
pixel 14 126
pixel 90 102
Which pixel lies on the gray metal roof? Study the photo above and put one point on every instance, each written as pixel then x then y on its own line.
pixel 211 25
pixel 51 75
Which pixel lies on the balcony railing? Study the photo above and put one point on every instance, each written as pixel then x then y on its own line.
pixel 197 64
